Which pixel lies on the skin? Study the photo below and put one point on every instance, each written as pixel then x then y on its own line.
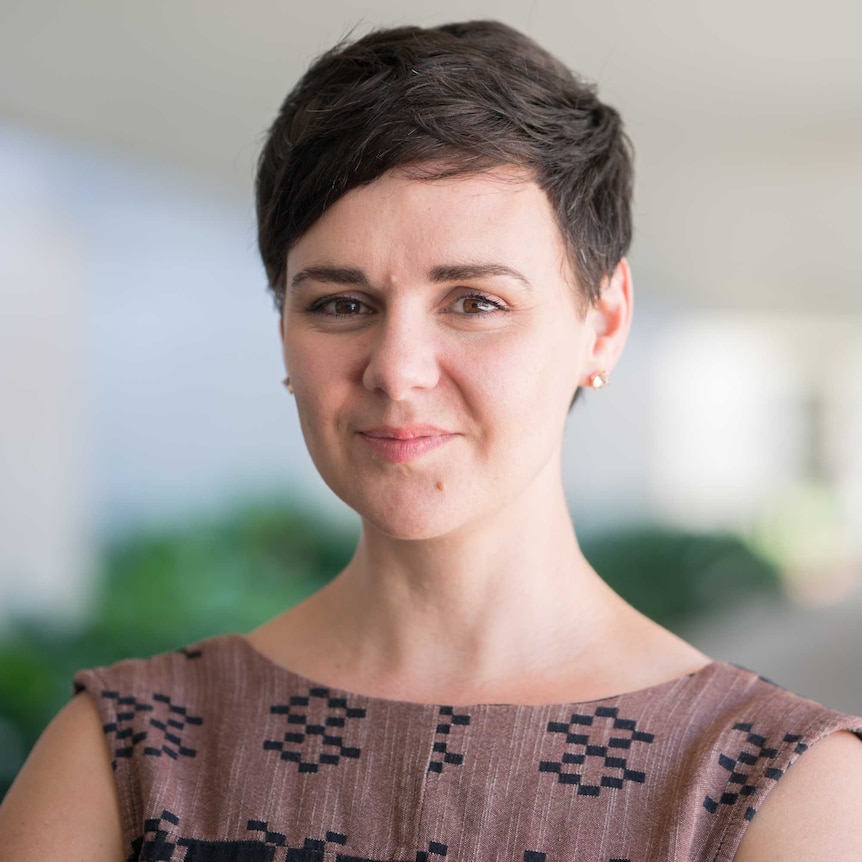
pixel 468 574
pixel 813 812
pixel 63 804
pixel 467 593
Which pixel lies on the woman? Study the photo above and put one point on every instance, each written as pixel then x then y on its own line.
pixel 444 215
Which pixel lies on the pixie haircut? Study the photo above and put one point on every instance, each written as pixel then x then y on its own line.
pixel 441 102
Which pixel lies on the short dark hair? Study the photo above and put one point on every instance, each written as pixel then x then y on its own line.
pixel 444 101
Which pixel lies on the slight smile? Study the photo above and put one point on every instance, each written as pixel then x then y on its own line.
pixel 400 445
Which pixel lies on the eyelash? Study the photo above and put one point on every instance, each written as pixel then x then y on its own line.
pixel 318 307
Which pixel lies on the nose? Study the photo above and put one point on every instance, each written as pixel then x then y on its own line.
pixel 403 357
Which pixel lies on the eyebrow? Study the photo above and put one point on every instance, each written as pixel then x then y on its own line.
pixel 469 271
pixel 439 274
pixel 331 274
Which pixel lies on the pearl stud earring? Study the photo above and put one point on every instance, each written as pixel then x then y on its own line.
pixel 599 380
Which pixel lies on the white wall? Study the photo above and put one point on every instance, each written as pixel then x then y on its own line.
pixel 45 511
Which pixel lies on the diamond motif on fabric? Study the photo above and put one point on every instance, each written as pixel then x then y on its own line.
pixel 316 728
pixel 162 731
pixel 449 734
pixel 591 766
pixel 746 769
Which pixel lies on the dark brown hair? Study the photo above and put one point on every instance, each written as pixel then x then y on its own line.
pixel 443 101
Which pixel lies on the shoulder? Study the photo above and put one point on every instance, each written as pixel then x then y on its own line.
pixel 77 794
pixel 64 801
pixel 129 685
pixel 813 812
pixel 780 767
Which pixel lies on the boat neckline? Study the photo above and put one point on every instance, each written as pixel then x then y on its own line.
pixel 707 670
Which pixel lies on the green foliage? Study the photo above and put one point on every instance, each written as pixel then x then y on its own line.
pixel 162 589
pixel 675 577
pixel 225 574
pixel 159 590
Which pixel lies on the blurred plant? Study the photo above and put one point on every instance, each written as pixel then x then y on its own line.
pixel 677 577
pixel 160 590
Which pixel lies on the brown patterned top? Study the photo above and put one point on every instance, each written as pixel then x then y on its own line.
pixel 220 754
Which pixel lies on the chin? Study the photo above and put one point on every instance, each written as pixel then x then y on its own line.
pixel 407 517
pixel 404 502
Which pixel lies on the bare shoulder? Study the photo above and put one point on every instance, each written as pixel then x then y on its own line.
pixel 813 811
pixel 63 804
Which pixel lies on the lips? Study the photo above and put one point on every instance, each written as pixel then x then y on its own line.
pixel 407 443
pixel 405 432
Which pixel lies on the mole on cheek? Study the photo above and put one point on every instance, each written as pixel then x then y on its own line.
pixel 441 486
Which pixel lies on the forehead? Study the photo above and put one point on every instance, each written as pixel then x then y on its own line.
pixel 400 222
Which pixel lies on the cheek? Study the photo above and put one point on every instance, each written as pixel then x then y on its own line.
pixel 316 380
pixel 524 367
pixel 320 366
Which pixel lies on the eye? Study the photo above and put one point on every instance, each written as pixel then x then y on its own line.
pixel 477 305
pixel 339 306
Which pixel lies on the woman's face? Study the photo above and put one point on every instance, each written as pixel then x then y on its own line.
pixel 441 311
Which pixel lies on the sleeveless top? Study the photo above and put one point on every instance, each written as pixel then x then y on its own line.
pixel 221 754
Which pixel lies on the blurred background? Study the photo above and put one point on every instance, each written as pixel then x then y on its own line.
pixel 154 486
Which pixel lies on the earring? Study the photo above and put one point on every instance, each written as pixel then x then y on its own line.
pixel 286 382
pixel 599 380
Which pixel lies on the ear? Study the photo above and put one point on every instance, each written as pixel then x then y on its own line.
pixel 609 321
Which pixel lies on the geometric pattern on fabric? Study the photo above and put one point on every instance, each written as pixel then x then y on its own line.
pixel 316 727
pixel 441 754
pixel 157 844
pixel 741 768
pixel 167 725
pixel 591 766
pixel 673 735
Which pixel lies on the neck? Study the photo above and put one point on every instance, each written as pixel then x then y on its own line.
pixel 512 596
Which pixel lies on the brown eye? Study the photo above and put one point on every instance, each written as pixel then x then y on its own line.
pixel 346 306
pixel 340 307
pixel 478 305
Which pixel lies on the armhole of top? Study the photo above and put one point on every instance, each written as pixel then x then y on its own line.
pixel 817 731
pixel 92 685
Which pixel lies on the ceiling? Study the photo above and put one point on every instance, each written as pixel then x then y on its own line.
pixel 746 116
